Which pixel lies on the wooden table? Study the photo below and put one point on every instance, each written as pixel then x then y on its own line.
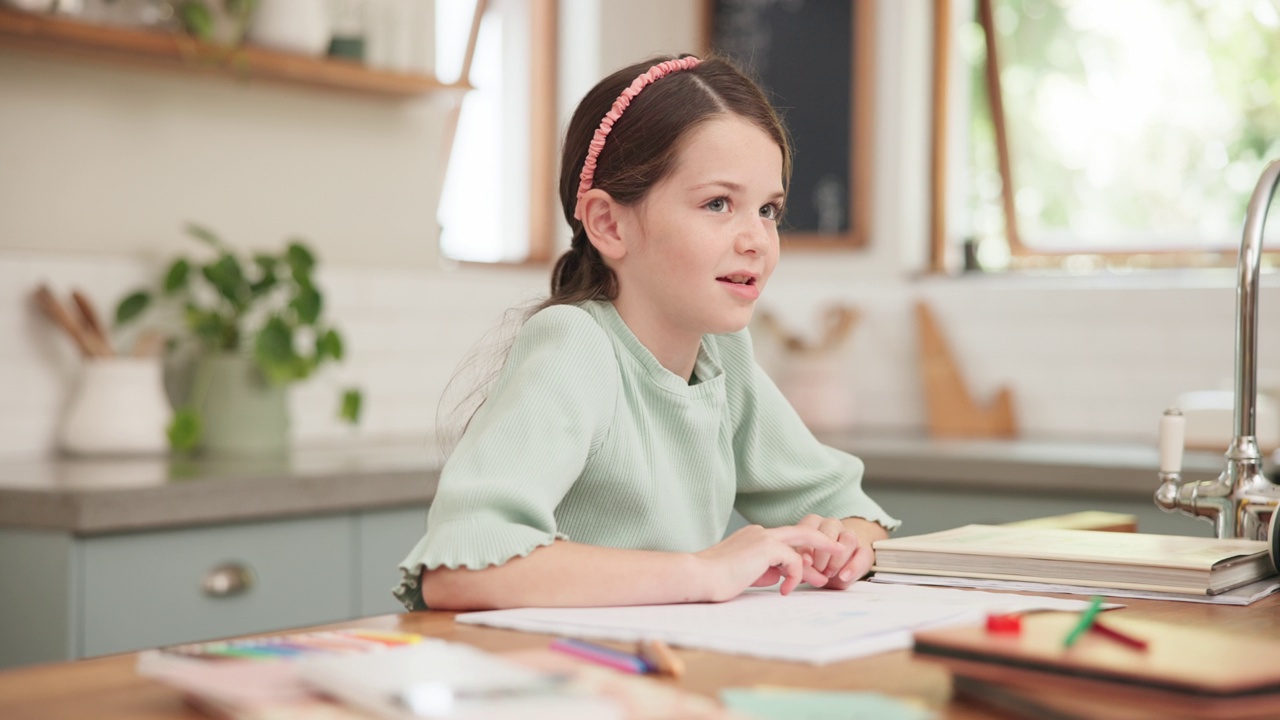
pixel 107 688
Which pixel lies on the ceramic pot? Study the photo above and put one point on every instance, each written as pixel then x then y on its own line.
pixel 117 407
pixel 242 413
pixel 296 26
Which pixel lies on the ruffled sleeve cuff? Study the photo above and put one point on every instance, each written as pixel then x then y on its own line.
pixel 469 544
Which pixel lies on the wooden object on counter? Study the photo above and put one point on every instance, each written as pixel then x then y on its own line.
pixel 44 33
pixel 1087 520
pixel 63 318
pixel 95 332
pixel 952 411
pixel 837 323
pixel 149 344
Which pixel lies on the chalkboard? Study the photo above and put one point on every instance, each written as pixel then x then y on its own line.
pixel 811 57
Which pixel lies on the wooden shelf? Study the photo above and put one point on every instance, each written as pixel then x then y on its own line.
pixel 175 51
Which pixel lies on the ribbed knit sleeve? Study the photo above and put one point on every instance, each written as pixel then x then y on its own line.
pixel 523 449
pixel 783 471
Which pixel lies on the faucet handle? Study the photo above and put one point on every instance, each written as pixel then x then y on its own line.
pixel 1173 435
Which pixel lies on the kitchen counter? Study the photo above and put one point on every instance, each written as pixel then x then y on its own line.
pixel 99 496
pixel 96 496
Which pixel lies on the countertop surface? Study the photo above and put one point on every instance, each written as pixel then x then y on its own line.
pixel 94 496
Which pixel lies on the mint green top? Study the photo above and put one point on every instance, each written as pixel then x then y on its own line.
pixel 586 437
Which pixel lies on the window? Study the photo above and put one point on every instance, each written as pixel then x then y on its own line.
pixel 1133 132
pixel 496 204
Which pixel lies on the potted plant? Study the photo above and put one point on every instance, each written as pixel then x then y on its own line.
pixel 253 326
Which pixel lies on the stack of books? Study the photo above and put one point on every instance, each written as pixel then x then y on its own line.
pixel 1132 561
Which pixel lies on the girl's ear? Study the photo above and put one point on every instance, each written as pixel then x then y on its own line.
pixel 600 218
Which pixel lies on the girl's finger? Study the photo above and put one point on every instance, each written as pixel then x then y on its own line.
pixel 799 537
pixel 849 544
pixel 859 564
pixel 792 569
pixel 829 563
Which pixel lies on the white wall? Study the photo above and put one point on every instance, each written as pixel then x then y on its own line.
pixel 102 159
pixel 100 166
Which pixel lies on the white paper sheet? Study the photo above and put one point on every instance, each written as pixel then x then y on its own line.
pixel 1240 596
pixel 810 625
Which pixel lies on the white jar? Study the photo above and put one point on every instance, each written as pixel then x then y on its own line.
pixel 296 26
pixel 118 407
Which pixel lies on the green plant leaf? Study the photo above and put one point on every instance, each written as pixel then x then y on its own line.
pixel 200 232
pixel 263 285
pixel 266 262
pixel 228 279
pixel 186 429
pixel 197 19
pixel 300 260
pixel 328 345
pixel 274 351
pixel 176 278
pixel 132 306
pixel 240 8
pixel 266 274
pixel 213 330
pixel 307 304
pixel 352 401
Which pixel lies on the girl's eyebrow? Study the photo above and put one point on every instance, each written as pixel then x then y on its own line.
pixel 733 187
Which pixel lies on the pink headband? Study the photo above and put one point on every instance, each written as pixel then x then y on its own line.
pixel 654 73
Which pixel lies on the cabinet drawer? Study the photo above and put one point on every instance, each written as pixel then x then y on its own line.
pixel 146 589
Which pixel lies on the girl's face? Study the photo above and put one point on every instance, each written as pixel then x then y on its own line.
pixel 702 244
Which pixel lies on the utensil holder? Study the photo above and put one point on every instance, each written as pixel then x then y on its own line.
pixel 117 407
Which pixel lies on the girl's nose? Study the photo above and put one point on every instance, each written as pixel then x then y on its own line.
pixel 752 236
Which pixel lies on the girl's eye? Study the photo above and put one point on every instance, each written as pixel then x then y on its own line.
pixel 772 211
pixel 718 205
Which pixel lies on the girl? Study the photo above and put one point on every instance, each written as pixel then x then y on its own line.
pixel 630 419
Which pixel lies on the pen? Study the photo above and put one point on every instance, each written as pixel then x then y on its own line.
pixel 601 655
pixel 1086 621
pixel 1120 637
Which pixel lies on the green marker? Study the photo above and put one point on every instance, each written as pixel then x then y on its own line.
pixel 1086 621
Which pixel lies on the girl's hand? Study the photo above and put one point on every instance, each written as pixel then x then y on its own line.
pixel 838 570
pixel 756 556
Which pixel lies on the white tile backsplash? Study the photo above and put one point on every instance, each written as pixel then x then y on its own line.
pixel 1085 360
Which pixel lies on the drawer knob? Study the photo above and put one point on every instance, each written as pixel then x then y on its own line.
pixel 227 580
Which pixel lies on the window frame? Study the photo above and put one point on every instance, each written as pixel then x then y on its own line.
pixel 861 131
pixel 950 122
pixel 542 88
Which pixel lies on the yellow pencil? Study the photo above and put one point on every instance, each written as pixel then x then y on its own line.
pixel 660 656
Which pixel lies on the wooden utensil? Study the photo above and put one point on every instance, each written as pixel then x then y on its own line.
pixel 149 344
pixel 95 333
pixel 63 318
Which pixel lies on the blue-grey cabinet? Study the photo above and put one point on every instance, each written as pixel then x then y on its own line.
pixel 64 596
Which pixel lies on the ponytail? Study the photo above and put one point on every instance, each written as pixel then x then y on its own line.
pixel 580 275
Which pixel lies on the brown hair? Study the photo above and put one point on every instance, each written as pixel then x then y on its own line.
pixel 641 150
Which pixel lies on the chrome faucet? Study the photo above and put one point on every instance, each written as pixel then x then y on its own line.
pixel 1241 501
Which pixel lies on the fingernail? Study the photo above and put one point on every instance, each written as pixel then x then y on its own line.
pixel 848 573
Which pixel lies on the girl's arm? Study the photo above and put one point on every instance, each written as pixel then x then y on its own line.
pixel 568 574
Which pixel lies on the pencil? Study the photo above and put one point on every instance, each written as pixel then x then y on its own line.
pixel 1086 621
pixel 601 655
pixel 1120 637
pixel 660 656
